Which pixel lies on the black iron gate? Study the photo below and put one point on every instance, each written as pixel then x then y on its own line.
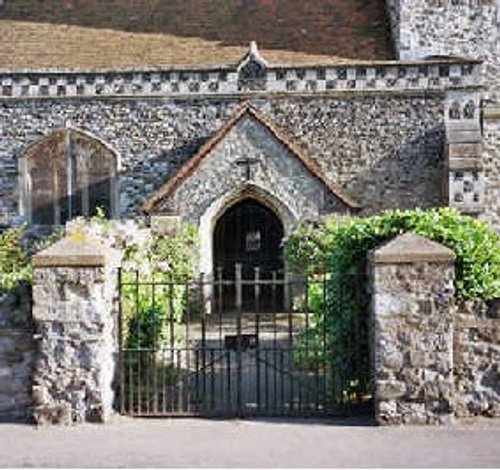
pixel 182 353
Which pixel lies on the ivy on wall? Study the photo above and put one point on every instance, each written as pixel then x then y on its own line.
pixel 338 250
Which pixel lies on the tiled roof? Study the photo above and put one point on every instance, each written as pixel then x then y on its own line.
pixel 126 33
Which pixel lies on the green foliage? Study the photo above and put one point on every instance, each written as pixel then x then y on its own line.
pixel 309 247
pixel 14 265
pixel 340 247
pixel 146 329
pixel 151 310
pixel 176 253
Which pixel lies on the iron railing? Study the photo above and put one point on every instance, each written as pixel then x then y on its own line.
pixel 233 347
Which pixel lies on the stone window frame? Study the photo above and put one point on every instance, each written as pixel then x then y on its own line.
pixel 25 182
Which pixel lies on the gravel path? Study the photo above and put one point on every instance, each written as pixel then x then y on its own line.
pixel 127 442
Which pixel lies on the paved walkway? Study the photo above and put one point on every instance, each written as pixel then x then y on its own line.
pixel 126 442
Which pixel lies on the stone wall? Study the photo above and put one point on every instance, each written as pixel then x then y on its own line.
pixel 476 357
pixel 463 28
pixel 384 150
pixel 17 351
pixel 491 162
pixel 432 359
pixel 75 317
pixel 412 313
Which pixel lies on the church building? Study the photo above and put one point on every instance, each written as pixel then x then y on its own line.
pixel 245 119
pixel 367 106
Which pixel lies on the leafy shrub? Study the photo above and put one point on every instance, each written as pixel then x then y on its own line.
pixel 152 309
pixel 14 265
pixel 339 247
pixel 176 253
pixel 146 328
pixel 148 311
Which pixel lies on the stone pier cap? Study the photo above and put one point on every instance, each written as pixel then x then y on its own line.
pixel 77 250
pixel 409 248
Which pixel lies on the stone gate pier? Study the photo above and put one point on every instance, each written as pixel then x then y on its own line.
pixel 75 312
pixel 412 331
pixel 434 358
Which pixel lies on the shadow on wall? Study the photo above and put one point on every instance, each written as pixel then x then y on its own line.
pixel 356 29
pixel 166 164
pixel 87 201
pixel 411 177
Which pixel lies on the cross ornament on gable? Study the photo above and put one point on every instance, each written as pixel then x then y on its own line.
pixel 247 167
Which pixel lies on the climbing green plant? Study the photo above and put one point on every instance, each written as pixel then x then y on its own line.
pixel 340 247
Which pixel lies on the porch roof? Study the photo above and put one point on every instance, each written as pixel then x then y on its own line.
pixel 193 163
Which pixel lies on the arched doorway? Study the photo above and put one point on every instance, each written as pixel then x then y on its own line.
pixel 249 233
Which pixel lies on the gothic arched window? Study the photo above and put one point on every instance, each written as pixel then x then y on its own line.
pixel 67 174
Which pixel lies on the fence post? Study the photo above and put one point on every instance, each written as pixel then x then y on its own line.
pixel 238 277
pixel 75 309
pixel 411 281
pixel 239 311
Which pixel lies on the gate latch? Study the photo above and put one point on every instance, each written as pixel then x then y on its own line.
pixel 246 342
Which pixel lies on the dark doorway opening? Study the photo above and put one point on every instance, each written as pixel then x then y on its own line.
pixel 250 234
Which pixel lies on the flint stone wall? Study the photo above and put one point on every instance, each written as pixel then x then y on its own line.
pixel 75 315
pixel 477 359
pixel 17 351
pixel 491 162
pixel 412 314
pixel 384 150
pixel 459 28
pixel 273 169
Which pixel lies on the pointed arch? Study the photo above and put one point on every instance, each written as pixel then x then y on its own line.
pixel 68 173
pixel 155 203
pixel 220 206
